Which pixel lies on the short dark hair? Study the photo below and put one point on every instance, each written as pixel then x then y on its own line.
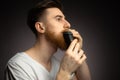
pixel 35 13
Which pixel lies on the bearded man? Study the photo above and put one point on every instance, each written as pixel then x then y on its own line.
pixel 48 23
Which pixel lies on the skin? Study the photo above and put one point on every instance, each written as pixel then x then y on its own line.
pixel 50 38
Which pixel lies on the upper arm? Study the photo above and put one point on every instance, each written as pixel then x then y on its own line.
pixel 16 72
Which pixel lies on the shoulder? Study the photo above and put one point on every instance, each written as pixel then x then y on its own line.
pixel 19 61
pixel 19 66
pixel 18 58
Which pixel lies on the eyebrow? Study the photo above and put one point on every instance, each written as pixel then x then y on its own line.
pixel 60 16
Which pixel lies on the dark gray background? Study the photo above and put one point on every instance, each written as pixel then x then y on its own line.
pixel 97 21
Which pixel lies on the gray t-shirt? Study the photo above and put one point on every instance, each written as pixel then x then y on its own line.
pixel 23 67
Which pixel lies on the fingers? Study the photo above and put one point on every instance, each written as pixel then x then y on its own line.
pixel 77 48
pixel 82 56
pixel 74 57
pixel 77 35
pixel 72 45
pixel 76 52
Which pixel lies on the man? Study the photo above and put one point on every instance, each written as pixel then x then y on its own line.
pixel 48 23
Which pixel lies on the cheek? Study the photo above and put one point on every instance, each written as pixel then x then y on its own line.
pixel 60 42
pixel 56 38
pixel 57 27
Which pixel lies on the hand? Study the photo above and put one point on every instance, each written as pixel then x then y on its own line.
pixel 73 58
pixel 77 36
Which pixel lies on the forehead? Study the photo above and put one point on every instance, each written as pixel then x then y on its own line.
pixel 53 12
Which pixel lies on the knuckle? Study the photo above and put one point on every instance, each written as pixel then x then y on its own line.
pixel 79 62
pixel 85 56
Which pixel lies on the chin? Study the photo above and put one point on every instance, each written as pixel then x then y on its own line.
pixel 56 39
pixel 62 45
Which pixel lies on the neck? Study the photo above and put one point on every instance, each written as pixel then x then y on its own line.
pixel 42 51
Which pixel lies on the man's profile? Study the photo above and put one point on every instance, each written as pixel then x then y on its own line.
pixel 47 22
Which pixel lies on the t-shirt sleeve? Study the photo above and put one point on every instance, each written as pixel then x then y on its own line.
pixel 15 71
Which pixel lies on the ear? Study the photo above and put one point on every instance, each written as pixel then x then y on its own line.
pixel 39 27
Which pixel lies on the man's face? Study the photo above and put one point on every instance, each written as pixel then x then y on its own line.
pixel 55 23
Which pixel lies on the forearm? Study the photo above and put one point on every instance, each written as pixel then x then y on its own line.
pixel 83 72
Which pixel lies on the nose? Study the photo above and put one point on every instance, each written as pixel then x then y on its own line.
pixel 67 24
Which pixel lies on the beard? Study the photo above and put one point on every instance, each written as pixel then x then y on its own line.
pixel 56 39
